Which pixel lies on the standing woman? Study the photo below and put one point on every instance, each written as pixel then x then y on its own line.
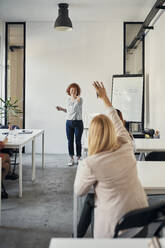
pixel 74 123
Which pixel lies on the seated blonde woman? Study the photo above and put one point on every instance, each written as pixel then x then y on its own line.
pixel 111 169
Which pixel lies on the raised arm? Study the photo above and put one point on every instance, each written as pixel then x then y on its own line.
pixel 61 109
pixel 119 127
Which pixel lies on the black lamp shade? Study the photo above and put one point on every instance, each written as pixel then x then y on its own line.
pixel 63 21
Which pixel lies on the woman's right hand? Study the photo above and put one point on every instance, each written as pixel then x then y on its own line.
pixel 58 108
pixel 61 109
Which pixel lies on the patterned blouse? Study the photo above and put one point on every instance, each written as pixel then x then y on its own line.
pixel 74 109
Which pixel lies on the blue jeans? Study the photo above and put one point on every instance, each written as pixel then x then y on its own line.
pixel 74 128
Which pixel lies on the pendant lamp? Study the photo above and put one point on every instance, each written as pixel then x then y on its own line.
pixel 63 22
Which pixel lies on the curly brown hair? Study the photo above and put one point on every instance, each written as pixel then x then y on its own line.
pixel 74 85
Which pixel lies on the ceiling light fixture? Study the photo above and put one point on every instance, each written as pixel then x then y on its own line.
pixel 63 22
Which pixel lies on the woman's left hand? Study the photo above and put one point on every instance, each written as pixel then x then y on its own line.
pixel 78 98
pixel 100 90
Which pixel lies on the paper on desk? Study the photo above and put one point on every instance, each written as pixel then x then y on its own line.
pixel 26 132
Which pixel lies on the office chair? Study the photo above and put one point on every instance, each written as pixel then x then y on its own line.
pixel 155 156
pixel 136 222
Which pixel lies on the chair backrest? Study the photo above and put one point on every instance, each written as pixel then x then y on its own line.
pixel 15 127
pixel 141 218
pixel 12 127
pixel 4 127
pixel 155 156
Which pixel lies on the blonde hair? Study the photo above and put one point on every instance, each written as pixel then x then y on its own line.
pixel 102 135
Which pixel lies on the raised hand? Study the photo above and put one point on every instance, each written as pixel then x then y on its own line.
pixel 100 90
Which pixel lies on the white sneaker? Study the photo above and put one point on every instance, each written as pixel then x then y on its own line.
pixel 71 162
pixel 77 159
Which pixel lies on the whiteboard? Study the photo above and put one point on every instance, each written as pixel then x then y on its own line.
pixel 127 96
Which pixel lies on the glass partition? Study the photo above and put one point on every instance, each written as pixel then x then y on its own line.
pixel 133 57
pixel 15 71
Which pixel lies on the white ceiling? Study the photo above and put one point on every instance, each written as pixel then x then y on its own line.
pixel 79 10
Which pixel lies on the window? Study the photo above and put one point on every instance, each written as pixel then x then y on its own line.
pixel 15 69
pixel 133 57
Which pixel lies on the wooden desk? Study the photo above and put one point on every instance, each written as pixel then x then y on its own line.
pixel 149 145
pixel 104 243
pixel 18 142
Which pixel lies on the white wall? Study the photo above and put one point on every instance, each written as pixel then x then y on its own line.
pixel 92 51
pixel 155 77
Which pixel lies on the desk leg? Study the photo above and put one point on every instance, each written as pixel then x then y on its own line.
pixel 141 156
pixel 83 153
pixel 43 163
pixel 33 160
pixel 75 215
pixel 20 171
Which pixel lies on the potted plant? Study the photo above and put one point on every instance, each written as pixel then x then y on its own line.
pixel 9 108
